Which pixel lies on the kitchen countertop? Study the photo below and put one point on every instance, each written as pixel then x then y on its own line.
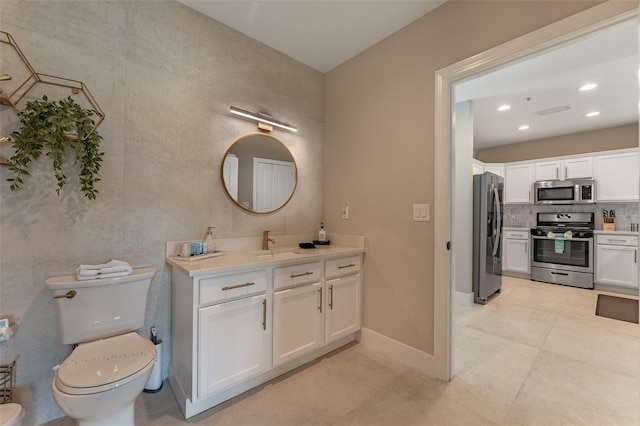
pixel 236 260
pixel 601 232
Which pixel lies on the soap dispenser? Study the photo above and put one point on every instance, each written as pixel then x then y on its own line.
pixel 322 234
pixel 209 244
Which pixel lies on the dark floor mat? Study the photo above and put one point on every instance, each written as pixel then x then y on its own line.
pixel 620 308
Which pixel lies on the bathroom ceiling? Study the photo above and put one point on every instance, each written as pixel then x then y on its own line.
pixel 319 33
pixel 550 81
pixel 323 34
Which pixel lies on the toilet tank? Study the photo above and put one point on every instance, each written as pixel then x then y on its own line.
pixel 100 307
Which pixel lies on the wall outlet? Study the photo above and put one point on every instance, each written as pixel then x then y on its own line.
pixel 345 211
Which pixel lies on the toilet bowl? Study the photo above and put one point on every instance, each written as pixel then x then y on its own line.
pixel 11 414
pixel 99 382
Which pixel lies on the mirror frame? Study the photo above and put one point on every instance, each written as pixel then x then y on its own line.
pixel 224 185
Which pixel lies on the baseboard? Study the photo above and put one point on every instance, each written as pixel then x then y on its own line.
pixel 460 298
pixel 399 351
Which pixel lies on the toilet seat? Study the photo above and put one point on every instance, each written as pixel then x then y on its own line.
pixel 11 414
pixel 105 364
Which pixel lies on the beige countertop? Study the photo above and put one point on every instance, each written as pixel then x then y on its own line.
pixel 284 253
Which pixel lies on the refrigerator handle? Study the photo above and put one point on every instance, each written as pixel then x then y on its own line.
pixel 498 221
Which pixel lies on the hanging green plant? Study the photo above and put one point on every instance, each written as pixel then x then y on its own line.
pixel 52 127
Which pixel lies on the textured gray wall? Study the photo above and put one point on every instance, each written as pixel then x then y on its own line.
pixel 165 76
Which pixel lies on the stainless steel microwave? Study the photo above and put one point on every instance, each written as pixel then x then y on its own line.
pixel 571 191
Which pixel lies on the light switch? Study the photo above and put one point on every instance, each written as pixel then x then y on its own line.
pixel 421 212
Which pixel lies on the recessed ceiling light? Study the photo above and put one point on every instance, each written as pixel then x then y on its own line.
pixel 592 114
pixel 523 127
pixel 588 86
pixel 504 107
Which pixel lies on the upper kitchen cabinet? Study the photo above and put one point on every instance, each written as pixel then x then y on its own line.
pixel 618 177
pixel 477 167
pixel 573 168
pixel 518 181
pixel 496 169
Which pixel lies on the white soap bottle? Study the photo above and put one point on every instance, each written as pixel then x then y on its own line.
pixel 322 234
pixel 209 244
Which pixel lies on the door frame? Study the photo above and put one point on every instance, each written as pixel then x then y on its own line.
pixel 565 30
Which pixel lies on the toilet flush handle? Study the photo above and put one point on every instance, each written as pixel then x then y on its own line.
pixel 68 295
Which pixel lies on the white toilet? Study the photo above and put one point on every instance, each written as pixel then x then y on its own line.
pixel 11 414
pixel 99 382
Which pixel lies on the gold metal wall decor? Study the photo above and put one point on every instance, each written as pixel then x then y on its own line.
pixel 23 79
pixel 17 93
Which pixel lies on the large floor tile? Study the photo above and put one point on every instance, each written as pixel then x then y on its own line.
pixel 515 322
pixel 319 395
pixel 563 391
pixel 602 343
pixel 488 372
pixel 412 399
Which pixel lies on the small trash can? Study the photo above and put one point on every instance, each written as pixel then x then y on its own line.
pixel 154 384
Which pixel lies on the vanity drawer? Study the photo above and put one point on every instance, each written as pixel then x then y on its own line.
pixel 617 240
pixel 288 276
pixel 517 235
pixel 342 266
pixel 232 286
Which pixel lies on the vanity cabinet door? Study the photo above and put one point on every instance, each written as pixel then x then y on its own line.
pixel 298 322
pixel 232 343
pixel 342 307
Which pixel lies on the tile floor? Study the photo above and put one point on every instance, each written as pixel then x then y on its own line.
pixel 535 355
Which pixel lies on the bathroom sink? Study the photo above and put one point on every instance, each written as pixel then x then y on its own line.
pixel 276 255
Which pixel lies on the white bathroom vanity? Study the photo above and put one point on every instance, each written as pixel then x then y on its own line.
pixel 248 316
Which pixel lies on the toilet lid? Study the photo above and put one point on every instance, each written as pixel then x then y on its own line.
pixel 9 413
pixel 103 364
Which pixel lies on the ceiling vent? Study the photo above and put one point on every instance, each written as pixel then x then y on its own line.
pixel 554 110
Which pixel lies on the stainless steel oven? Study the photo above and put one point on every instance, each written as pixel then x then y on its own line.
pixel 562 249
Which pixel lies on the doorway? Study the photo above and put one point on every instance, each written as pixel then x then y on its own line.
pixel 572 28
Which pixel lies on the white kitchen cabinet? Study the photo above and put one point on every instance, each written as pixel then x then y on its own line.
pixel 548 170
pixel 518 183
pixel 617 260
pixel 618 177
pixel 477 167
pixel 298 321
pixel 516 251
pixel 577 168
pixel 573 168
pixel 343 307
pixel 232 343
pixel 496 169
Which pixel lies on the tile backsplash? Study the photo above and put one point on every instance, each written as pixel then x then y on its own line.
pixel 524 215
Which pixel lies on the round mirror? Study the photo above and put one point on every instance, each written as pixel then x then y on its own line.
pixel 259 173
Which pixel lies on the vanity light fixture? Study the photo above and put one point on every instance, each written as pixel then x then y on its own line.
pixel 592 114
pixel 263 119
pixel 587 87
pixel 504 107
pixel 523 127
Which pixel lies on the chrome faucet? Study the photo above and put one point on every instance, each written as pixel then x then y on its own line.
pixel 266 239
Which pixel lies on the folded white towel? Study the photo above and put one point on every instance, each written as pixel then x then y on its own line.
pixel 109 264
pixel 101 276
pixel 114 268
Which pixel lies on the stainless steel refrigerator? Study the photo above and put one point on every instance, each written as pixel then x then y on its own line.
pixel 487 236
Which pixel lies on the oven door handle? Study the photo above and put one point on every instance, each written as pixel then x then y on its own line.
pixel 498 221
pixel 536 237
